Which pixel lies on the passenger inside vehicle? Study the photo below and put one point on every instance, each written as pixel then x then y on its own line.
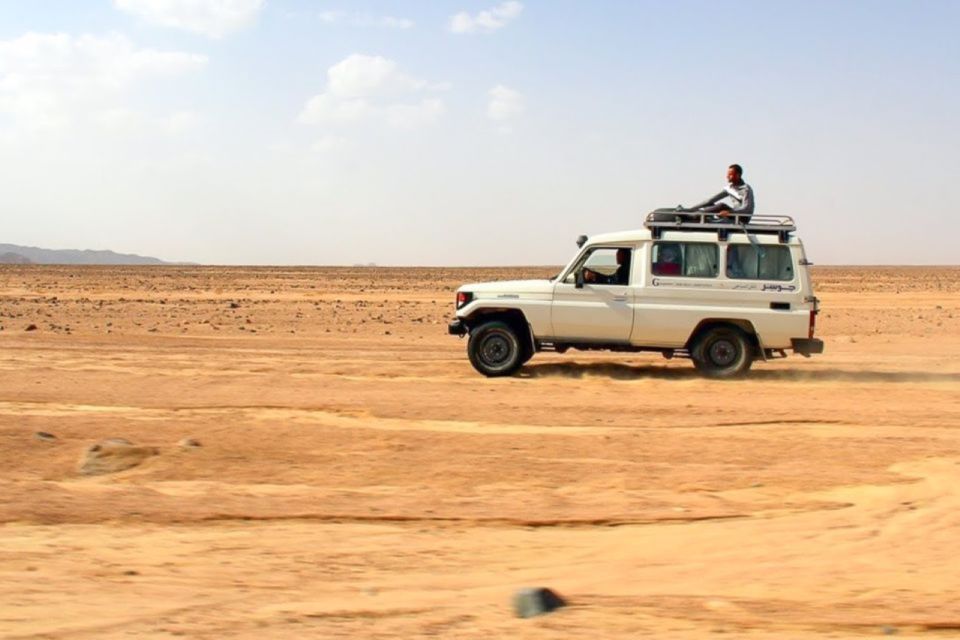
pixel 667 260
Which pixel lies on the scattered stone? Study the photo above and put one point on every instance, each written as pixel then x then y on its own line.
pixel 31 327
pixel 131 572
pixel 189 443
pixel 234 305
pixel 528 603
pixel 889 631
pixel 113 455
pixel 43 435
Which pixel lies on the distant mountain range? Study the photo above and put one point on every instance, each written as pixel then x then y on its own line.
pixel 14 254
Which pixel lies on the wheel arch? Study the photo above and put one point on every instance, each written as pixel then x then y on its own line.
pixel 737 323
pixel 514 317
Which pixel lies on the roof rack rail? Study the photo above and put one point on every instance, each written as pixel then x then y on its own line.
pixel 660 220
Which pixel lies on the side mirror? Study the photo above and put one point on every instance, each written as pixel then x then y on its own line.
pixel 581 240
pixel 578 281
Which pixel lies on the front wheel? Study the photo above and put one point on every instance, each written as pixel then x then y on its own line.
pixel 722 352
pixel 494 349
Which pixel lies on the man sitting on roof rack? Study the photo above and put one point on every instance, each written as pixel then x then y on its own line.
pixel 739 191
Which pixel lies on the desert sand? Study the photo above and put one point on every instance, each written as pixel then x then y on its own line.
pixel 356 478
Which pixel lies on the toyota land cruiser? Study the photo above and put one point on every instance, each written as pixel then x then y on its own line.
pixel 720 293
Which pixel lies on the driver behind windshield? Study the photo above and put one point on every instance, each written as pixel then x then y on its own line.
pixel 620 277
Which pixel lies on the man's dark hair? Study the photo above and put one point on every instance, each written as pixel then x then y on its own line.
pixel 736 168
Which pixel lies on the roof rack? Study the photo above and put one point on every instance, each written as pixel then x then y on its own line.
pixel 660 220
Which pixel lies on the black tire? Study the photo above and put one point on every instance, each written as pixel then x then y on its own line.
pixel 495 349
pixel 722 352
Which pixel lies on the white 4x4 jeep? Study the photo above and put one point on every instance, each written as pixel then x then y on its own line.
pixel 718 292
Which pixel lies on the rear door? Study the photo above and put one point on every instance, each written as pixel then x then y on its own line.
pixel 682 287
pixel 600 311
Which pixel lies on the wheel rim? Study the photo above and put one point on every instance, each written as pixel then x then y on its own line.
pixel 723 352
pixel 495 350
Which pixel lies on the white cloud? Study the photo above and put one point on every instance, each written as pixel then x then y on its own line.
pixel 486 21
pixel 408 116
pixel 127 121
pixel 212 18
pixel 179 122
pixel 390 22
pixel 331 17
pixel 363 88
pixel 51 80
pixel 365 20
pixel 329 109
pixel 360 75
pixel 119 119
pixel 505 104
pixel 329 144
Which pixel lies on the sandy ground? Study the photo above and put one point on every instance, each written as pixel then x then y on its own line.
pixel 358 479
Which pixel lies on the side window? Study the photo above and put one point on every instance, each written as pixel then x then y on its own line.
pixel 607 266
pixel 686 259
pixel 763 262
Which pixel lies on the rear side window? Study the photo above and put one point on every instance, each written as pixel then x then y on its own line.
pixel 763 262
pixel 685 259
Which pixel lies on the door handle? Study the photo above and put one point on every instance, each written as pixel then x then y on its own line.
pixel 620 298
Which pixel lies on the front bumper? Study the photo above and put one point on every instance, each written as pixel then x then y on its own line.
pixel 457 328
pixel 806 346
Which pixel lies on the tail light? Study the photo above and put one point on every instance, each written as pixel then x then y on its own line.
pixel 463 298
pixel 813 322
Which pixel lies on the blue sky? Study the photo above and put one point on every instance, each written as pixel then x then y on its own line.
pixel 471 132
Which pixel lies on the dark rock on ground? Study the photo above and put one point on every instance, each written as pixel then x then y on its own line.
pixel 536 601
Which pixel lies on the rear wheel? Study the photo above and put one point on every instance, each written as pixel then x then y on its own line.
pixel 722 352
pixel 494 349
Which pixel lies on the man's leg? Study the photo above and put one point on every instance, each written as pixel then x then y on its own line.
pixel 717 208
pixel 676 216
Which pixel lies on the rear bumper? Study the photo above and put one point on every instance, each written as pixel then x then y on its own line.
pixel 806 346
pixel 457 328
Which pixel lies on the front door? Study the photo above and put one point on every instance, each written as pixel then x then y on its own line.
pixel 601 309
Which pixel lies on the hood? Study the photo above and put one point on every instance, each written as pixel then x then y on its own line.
pixel 509 286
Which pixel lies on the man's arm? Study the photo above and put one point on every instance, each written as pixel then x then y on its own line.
pixel 712 201
pixel 745 205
